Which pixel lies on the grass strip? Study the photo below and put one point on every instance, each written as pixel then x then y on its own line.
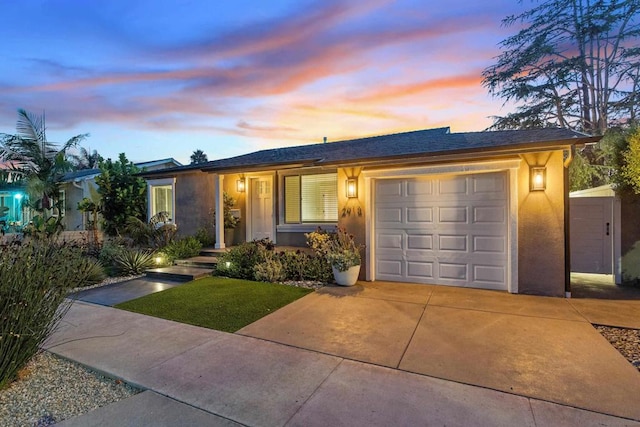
pixel 216 302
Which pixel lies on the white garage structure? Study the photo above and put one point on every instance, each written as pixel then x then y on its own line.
pixel 595 232
pixel 438 227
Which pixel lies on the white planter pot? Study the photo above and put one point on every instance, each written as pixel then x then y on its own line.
pixel 346 278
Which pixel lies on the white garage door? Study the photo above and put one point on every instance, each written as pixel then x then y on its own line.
pixel 447 230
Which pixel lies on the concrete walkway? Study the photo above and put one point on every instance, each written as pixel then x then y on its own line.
pixel 116 293
pixel 197 376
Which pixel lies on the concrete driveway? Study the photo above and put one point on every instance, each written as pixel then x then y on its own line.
pixel 538 347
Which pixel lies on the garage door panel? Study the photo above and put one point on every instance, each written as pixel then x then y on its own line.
pixel 420 241
pixel 456 215
pixel 420 188
pixel 389 241
pixel 452 242
pixel 443 230
pixel 389 215
pixel 420 214
pixel 489 184
pixel 389 189
pixel 489 273
pixel 489 244
pixel 420 269
pixel 455 185
pixel 489 214
pixel 453 271
pixel 390 269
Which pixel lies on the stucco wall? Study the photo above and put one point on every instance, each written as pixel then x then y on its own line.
pixel 541 256
pixel 194 202
pixel 351 212
pixel 72 216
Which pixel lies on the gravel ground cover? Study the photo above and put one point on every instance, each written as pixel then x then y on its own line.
pixel 309 284
pixel 107 281
pixel 626 341
pixel 52 389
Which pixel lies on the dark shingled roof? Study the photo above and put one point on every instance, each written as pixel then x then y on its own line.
pixel 417 143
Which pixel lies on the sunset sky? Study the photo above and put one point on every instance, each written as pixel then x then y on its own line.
pixel 159 78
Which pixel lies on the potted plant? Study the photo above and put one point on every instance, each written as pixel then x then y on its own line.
pixel 230 221
pixel 344 256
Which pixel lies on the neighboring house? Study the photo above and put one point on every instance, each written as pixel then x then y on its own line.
pixel 14 212
pixel 75 187
pixel 480 209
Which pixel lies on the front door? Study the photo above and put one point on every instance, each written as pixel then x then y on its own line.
pixel 262 208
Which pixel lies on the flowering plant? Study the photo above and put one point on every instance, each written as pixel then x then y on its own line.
pixel 342 250
pixel 338 248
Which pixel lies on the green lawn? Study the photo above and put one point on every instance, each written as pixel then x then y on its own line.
pixel 216 302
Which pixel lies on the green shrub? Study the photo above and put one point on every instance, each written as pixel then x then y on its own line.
pixel 239 261
pixel 294 264
pixel 303 266
pixel 183 248
pixel 317 268
pixel 109 251
pixel 157 233
pixel 271 270
pixel 36 277
pixel 205 236
pixel 130 262
pixel 91 271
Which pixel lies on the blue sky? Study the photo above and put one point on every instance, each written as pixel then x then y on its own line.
pixel 156 79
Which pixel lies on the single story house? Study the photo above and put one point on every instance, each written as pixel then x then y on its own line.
pixel 475 209
pixel 76 186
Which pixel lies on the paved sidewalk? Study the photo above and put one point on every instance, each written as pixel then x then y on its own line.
pixel 197 376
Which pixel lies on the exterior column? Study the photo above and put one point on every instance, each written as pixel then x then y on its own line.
pixel 219 206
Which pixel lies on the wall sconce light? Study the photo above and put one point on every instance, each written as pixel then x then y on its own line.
pixel 240 185
pixel 538 178
pixel 352 188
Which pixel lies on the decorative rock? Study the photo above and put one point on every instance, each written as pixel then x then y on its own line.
pixel 53 390
pixel 626 341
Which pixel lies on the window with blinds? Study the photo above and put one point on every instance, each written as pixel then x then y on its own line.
pixel 162 199
pixel 292 199
pixel 311 198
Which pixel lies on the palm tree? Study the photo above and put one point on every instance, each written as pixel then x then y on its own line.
pixel 41 162
pixel 198 156
pixel 86 159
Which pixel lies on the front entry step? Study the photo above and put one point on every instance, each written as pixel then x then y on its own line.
pixel 179 273
pixel 198 261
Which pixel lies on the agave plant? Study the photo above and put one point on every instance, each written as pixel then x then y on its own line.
pixel 130 262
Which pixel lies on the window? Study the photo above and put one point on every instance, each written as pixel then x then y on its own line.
pixel 311 198
pixel 162 199
pixel 59 205
pixel 62 202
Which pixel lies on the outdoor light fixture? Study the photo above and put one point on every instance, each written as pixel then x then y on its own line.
pixel 240 185
pixel 352 188
pixel 538 177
